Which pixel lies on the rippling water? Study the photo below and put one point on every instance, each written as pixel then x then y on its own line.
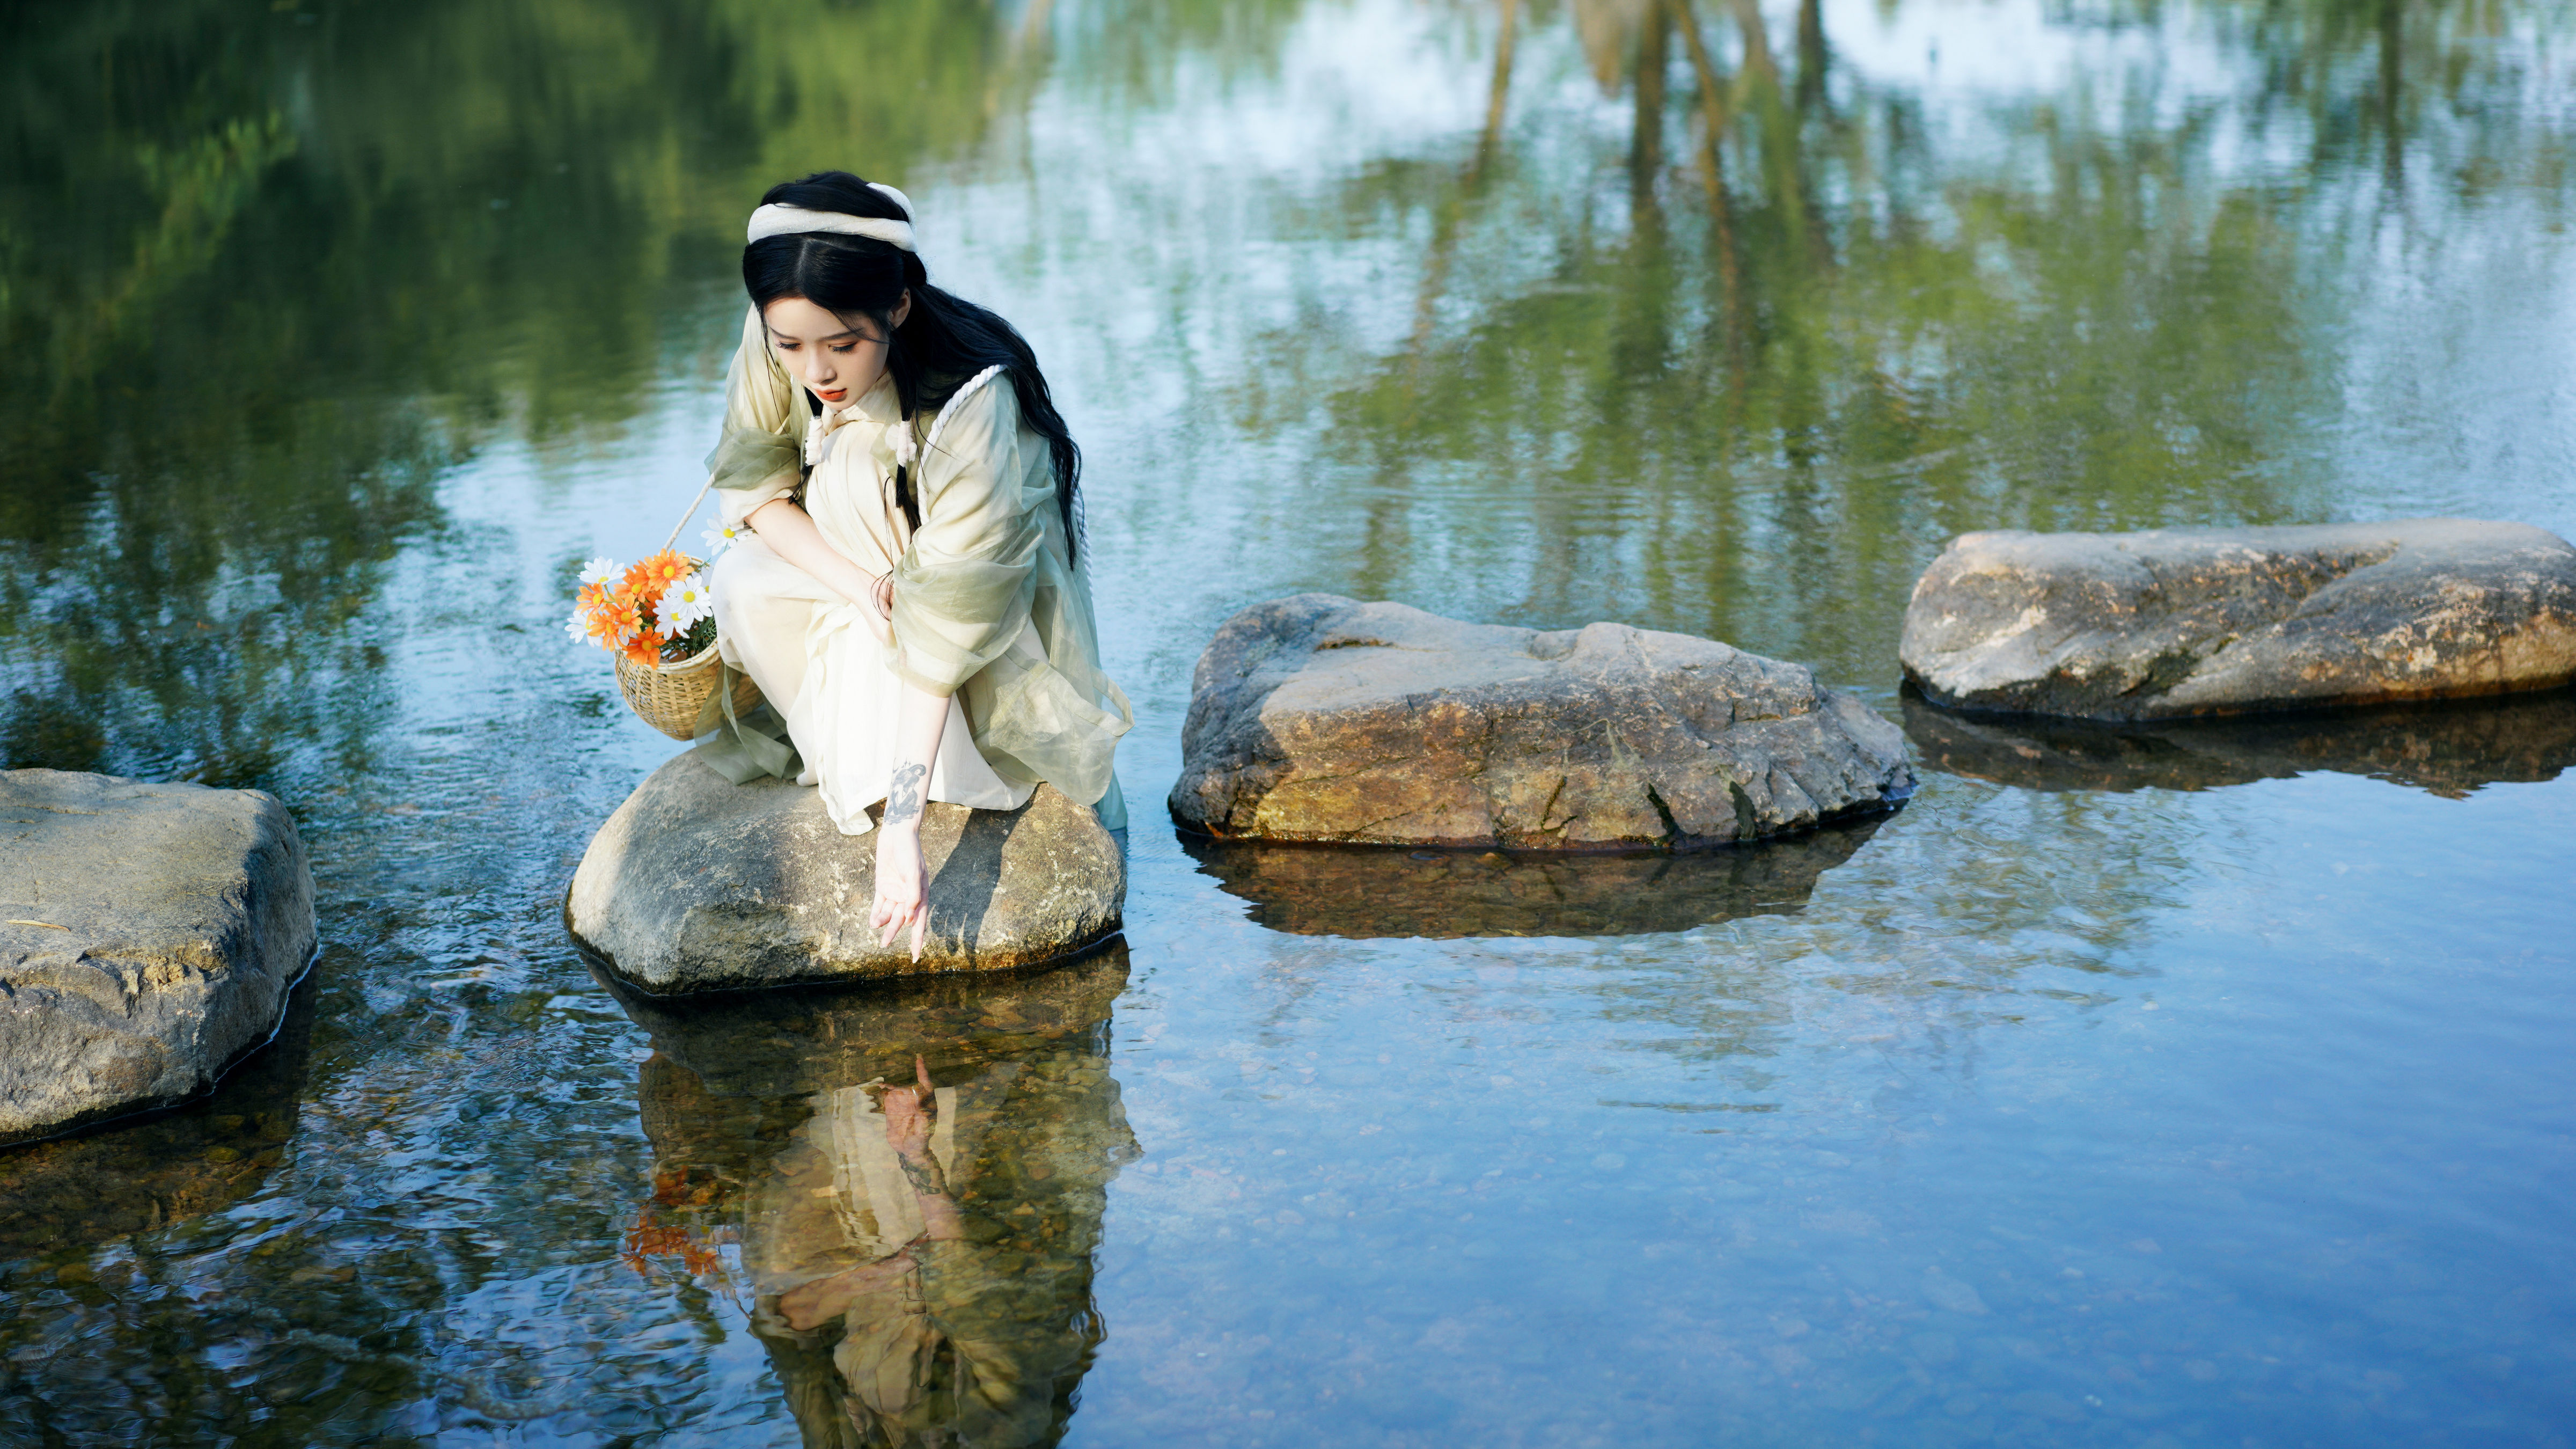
pixel 2172 1087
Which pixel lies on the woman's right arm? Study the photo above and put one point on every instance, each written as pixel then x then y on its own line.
pixel 755 463
pixel 791 534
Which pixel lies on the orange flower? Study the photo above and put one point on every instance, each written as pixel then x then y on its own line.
pixel 598 613
pixel 619 616
pixel 644 648
pixel 696 1249
pixel 629 611
pixel 649 577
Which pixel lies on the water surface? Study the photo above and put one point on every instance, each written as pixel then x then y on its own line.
pixel 2172 1086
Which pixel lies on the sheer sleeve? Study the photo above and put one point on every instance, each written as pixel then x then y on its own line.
pixel 961 589
pixel 988 605
pixel 760 454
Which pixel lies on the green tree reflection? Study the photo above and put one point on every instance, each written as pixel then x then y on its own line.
pixel 270 269
pixel 1814 334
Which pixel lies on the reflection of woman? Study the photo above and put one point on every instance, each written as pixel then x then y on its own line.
pixel 917 1177
pixel 911 603
pixel 901 1313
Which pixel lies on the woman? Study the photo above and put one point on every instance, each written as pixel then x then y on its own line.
pixel 907 595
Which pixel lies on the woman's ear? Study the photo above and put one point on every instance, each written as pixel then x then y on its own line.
pixel 903 307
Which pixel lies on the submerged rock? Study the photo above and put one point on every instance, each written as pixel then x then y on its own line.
pixel 2178 622
pixel 696 884
pixel 148 938
pixel 2449 750
pixel 1381 891
pixel 76 1192
pixel 1319 718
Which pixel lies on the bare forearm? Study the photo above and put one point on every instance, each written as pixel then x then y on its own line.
pixel 791 534
pixel 939 1215
pixel 920 719
pixel 903 901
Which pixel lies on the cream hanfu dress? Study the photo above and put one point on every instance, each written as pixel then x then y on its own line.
pixel 989 609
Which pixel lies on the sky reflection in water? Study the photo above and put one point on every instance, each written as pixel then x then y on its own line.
pixel 2151 1086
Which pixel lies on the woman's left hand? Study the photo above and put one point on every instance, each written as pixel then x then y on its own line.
pixel 902 899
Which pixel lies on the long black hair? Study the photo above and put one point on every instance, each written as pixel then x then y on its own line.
pixel 944 340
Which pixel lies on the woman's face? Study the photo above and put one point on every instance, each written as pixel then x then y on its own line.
pixel 836 360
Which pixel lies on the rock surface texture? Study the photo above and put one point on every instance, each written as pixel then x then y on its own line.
pixel 1323 719
pixel 696 884
pixel 148 938
pixel 2177 622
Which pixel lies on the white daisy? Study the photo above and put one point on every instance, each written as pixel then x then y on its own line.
pixel 577 627
pixel 601 570
pixel 684 603
pixel 720 538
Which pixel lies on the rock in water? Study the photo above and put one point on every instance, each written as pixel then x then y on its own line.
pixel 2175 622
pixel 148 937
pixel 150 1174
pixel 1321 718
pixel 696 884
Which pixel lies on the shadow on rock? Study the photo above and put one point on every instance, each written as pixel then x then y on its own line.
pixel 915 1175
pixel 152 1171
pixel 2447 749
pixel 1361 891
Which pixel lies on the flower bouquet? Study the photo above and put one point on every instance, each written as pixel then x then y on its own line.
pixel 658 618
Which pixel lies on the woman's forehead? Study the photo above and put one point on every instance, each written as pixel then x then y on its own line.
pixel 794 319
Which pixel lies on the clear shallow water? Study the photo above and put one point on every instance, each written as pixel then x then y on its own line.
pixel 2200 1087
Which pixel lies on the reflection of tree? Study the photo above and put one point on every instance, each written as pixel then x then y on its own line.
pixel 1826 335
pixel 261 279
pixel 916 1179
pixel 112 1345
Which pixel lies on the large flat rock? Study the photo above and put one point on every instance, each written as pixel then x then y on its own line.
pixel 2179 622
pixel 1320 718
pixel 696 884
pixel 148 938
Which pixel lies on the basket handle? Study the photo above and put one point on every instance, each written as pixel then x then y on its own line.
pixel 692 513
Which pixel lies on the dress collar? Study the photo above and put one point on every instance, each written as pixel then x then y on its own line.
pixel 879 406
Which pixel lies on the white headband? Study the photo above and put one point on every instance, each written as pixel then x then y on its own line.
pixel 778 220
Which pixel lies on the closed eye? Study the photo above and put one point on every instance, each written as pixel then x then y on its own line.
pixel 784 345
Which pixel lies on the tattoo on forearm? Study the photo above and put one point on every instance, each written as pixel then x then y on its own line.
pixel 903 796
pixel 924 1174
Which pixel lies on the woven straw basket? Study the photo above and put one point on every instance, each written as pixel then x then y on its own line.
pixel 669 697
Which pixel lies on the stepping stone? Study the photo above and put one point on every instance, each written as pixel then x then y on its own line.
pixel 1320 718
pixel 148 938
pixel 2191 621
pixel 697 884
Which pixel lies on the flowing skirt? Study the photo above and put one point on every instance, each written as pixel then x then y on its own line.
pixel 820 666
